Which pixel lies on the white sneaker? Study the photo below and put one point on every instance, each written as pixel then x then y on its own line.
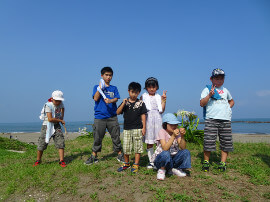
pixel 178 172
pixel 150 166
pixel 161 174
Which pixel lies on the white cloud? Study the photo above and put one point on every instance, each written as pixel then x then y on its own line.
pixel 263 93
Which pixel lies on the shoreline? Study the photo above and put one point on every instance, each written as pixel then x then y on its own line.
pixel 33 137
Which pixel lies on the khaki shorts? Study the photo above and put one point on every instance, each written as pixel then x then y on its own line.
pixel 58 137
pixel 133 138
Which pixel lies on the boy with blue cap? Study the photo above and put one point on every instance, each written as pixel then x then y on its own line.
pixel 171 154
pixel 217 103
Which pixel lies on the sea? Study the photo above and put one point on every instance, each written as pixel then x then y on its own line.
pixel 238 126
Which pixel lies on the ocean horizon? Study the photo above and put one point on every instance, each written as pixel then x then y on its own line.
pixel 237 127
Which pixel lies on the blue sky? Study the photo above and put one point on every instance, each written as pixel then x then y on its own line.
pixel 49 45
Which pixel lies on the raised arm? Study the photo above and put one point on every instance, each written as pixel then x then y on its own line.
pixel 204 101
pixel 163 100
pixel 121 107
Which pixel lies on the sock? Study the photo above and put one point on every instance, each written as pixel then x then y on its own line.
pixel 150 153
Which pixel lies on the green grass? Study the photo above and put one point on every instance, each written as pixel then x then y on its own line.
pixel 247 177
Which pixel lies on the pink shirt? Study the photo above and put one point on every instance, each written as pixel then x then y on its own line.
pixel 163 135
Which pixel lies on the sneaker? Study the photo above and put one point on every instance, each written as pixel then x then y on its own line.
pixel 120 158
pixel 62 164
pixel 91 160
pixel 150 166
pixel 205 166
pixel 123 167
pixel 222 166
pixel 37 162
pixel 161 174
pixel 178 172
pixel 135 168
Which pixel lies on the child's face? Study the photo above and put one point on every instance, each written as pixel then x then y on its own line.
pixel 151 90
pixel 56 102
pixel 133 94
pixel 171 127
pixel 217 81
pixel 107 77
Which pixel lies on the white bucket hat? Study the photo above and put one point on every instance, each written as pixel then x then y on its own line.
pixel 58 95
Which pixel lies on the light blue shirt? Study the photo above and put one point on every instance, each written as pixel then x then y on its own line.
pixel 218 109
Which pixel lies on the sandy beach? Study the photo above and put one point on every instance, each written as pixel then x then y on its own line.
pixel 33 137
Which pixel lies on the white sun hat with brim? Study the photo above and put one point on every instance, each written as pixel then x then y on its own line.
pixel 58 95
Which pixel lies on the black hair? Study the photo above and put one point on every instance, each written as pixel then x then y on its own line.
pixel 106 69
pixel 151 82
pixel 135 86
pixel 164 125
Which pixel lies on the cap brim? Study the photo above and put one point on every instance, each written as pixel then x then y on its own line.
pixel 58 98
pixel 173 122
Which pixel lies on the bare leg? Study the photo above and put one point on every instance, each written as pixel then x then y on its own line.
pixel 61 154
pixel 39 155
pixel 94 153
pixel 137 158
pixel 224 156
pixel 126 158
pixel 206 155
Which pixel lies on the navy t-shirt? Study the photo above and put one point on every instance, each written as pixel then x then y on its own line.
pixel 103 110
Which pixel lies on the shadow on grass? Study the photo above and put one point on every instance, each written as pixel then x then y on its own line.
pixel 264 157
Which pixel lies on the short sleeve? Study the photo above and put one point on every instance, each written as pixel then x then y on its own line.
pixel 116 93
pixel 204 93
pixel 143 109
pixel 48 109
pixel 161 135
pixel 229 96
pixel 94 90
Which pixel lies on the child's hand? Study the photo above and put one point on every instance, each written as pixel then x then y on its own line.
pixel 107 100
pixel 182 131
pixel 125 100
pixel 143 131
pixel 212 91
pixel 176 132
pixel 164 96
pixel 63 122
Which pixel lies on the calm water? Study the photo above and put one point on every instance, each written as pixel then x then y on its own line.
pixel 255 128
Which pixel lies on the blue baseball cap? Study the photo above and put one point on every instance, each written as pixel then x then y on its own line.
pixel 217 72
pixel 170 119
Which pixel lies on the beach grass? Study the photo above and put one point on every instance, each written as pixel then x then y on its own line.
pixel 246 179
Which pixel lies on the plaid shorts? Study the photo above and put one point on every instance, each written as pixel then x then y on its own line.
pixel 222 128
pixel 58 137
pixel 133 138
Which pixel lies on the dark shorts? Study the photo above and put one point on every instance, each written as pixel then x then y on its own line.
pixel 58 137
pixel 222 128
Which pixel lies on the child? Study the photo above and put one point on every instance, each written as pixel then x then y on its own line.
pixel 134 126
pixel 217 102
pixel 105 96
pixel 155 105
pixel 52 115
pixel 168 156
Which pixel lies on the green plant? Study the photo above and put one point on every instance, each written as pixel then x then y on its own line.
pixel 190 122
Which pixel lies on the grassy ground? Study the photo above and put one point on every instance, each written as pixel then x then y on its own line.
pixel 247 177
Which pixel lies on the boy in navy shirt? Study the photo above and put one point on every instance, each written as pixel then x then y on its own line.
pixel 105 96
